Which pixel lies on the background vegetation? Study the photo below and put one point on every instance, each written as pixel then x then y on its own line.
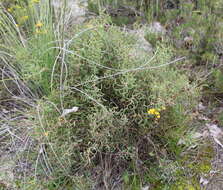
pixel 133 117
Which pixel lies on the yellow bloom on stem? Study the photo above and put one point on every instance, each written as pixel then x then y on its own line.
pixel 156 113
pixel 151 111
pixel 24 18
pixel 10 10
pixel 46 133
pixel 39 24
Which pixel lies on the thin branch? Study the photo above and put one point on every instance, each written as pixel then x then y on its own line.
pixel 130 70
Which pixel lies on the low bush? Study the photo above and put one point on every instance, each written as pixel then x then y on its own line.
pixel 132 111
pixel 115 93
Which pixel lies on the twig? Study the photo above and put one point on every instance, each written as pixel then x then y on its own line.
pixel 130 70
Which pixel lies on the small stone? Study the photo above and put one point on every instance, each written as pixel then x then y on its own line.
pixel 201 107
pixel 145 187
pixel 203 181
pixel 142 47
pixel 156 28
pixel 67 111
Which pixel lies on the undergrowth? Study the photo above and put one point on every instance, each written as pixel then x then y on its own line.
pixel 113 91
pixel 131 113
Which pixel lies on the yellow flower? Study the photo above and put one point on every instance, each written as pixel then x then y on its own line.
pixel 156 113
pixel 24 18
pixel 46 133
pixel 163 108
pixel 10 10
pixel 39 24
pixel 17 25
pixel 151 111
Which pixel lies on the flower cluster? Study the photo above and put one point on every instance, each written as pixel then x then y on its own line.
pixel 39 29
pixel 10 9
pixel 18 12
pixel 39 24
pixel 46 134
pixel 155 112
pixel 13 8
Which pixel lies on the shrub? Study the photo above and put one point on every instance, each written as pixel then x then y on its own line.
pixel 132 111
pixel 113 98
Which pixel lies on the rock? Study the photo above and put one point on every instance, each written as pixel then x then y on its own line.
pixel 76 10
pixel 217 133
pixel 201 107
pixel 203 181
pixel 156 27
pixel 142 47
pixel 67 111
pixel 145 187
